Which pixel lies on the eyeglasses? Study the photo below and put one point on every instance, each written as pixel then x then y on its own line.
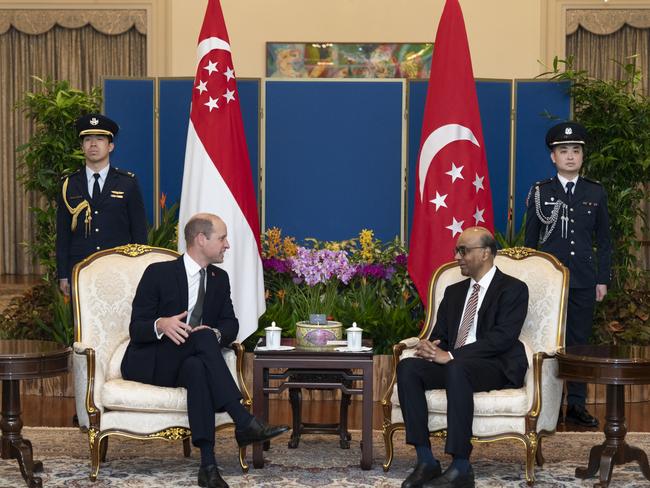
pixel 462 250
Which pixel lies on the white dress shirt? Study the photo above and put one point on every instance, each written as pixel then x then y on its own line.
pixel 90 176
pixel 484 283
pixel 564 181
pixel 192 269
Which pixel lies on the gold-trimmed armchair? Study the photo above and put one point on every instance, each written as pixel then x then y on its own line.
pixel 528 413
pixel 103 287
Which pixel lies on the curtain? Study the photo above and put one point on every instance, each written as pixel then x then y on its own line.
pixel 594 39
pixel 94 44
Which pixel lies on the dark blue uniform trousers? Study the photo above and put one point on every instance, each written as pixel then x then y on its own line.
pixel 579 322
pixel 197 365
pixel 461 378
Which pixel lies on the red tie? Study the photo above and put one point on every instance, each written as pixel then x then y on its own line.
pixel 468 317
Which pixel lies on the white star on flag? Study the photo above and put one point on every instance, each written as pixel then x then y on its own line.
pixel 439 201
pixel 478 183
pixel 456 227
pixel 229 96
pixel 229 73
pixel 478 215
pixel 213 103
pixel 211 67
pixel 202 86
pixel 455 172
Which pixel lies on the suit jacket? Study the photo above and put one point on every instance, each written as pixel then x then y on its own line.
pixel 588 220
pixel 499 324
pixel 118 218
pixel 162 292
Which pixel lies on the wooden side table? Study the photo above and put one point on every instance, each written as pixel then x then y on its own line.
pixel 614 366
pixel 315 361
pixel 20 360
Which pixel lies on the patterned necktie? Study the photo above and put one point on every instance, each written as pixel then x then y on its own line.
pixel 96 189
pixel 569 191
pixel 468 317
pixel 197 313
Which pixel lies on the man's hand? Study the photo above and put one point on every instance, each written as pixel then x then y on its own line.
pixel 431 352
pixel 601 291
pixel 64 286
pixel 174 328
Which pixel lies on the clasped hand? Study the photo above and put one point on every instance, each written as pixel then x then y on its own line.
pixel 430 351
pixel 177 330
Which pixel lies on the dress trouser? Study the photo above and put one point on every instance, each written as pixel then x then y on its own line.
pixel 579 322
pixel 197 365
pixel 461 378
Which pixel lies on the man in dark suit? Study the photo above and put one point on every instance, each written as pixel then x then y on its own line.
pixel 565 215
pixel 99 206
pixel 182 316
pixel 473 347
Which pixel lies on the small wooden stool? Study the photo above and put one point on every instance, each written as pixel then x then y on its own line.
pixel 295 398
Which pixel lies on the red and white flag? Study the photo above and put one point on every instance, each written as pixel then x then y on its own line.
pixel 453 188
pixel 217 177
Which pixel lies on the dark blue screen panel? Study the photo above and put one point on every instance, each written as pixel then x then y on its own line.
pixel 539 105
pixel 174 108
pixel 494 98
pixel 333 158
pixel 130 102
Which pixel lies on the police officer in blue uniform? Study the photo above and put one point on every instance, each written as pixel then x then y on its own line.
pixel 566 216
pixel 99 206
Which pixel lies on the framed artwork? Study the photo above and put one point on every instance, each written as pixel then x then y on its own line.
pixel 348 60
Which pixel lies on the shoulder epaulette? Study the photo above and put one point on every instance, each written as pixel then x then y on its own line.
pixel 71 174
pixel 595 182
pixel 543 182
pixel 125 172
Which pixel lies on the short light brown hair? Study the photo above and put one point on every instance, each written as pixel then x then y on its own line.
pixel 198 224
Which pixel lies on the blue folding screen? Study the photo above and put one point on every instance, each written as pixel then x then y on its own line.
pixel 130 102
pixel 539 105
pixel 334 158
pixel 494 98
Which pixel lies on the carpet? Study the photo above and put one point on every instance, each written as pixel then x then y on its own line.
pixel 317 462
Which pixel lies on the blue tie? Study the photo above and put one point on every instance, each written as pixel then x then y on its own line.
pixel 569 191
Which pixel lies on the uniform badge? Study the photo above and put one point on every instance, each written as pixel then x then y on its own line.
pixel 94 121
pixel 568 131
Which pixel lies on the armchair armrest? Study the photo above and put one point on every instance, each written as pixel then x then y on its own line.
pixel 398 348
pixel 88 376
pixel 543 372
pixel 247 399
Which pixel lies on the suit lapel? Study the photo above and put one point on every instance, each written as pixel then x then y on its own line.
pixel 489 297
pixel 579 192
pixel 559 192
pixel 181 279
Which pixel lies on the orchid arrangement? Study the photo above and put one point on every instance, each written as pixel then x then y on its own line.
pixel 357 280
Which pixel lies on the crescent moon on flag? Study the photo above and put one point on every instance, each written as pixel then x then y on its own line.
pixel 209 44
pixel 435 141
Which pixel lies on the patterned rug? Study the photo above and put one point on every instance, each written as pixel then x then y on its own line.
pixel 317 462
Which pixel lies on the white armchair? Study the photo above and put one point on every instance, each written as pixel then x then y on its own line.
pixel 528 413
pixel 104 285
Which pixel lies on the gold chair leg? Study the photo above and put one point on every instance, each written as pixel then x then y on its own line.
pixel 388 444
pixel 531 451
pixel 187 447
pixel 103 448
pixel 93 442
pixel 539 457
pixel 242 459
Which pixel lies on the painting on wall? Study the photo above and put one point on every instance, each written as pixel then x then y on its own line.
pixel 348 60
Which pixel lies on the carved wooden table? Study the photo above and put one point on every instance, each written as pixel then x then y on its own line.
pixel 20 360
pixel 323 369
pixel 614 366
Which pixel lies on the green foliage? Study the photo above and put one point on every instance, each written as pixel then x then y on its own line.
pixel 52 152
pixel 617 117
pixel 60 328
pixel 505 241
pixel 166 234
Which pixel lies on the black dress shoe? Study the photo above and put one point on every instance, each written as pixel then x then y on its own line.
pixel 209 476
pixel 258 431
pixel 422 473
pixel 577 414
pixel 452 478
